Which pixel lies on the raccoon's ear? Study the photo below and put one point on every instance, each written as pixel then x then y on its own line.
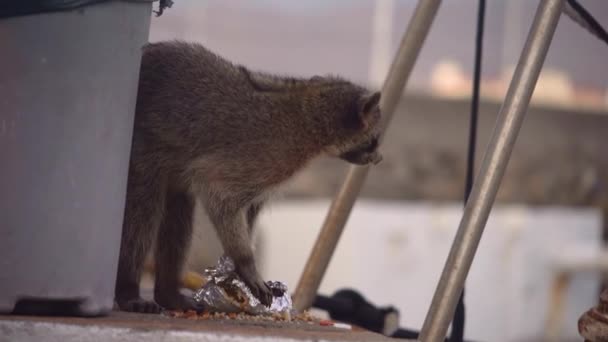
pixel 370 109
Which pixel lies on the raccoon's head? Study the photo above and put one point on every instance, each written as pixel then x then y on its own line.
pixel 358 114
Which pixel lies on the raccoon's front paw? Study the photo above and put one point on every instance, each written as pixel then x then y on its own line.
pixel 262 292
pixel 255 283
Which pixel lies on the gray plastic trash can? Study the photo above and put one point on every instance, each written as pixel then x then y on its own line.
pixel 68 85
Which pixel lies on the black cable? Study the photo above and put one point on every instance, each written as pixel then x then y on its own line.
pixel 585 19
pixel 472 144
pixel 457 334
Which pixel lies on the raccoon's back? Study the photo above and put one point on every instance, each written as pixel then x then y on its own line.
pixel 186 92
pixel 189 72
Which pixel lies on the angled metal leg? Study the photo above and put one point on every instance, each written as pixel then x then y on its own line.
pixel 342 205
pixel 492 169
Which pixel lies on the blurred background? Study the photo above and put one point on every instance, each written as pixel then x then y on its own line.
pixel 551 207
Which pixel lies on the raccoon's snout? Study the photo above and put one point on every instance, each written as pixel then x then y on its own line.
pixel 366 153
pixel 373 158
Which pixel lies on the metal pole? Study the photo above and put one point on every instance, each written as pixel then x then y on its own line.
pixel 492 169
pixel 342 205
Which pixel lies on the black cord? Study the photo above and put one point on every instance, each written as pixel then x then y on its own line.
pixel 470 172
pixel 458 322
pixel 588 20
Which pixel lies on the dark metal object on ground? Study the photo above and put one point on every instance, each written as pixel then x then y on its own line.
pixel 349 306
pixel 593 324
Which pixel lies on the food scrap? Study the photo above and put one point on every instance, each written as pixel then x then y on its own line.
pixel 224 291
pixel 304 317
pixel 326 322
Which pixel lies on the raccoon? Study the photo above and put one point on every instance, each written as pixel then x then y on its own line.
pixel 210 130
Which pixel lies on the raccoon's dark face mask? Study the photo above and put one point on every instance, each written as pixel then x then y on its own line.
pixel 364 153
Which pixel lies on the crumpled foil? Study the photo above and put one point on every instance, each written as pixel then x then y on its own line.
pixel 224 291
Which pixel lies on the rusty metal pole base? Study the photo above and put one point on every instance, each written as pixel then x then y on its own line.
pixel 593 324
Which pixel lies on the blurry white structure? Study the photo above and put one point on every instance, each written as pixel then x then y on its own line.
pixel 554 87
pixel 514 31
pixel 380 51
pixel 448 79
pixel 393 253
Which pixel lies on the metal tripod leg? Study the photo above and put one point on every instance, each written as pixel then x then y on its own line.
pixel 492 169
pixel 342 205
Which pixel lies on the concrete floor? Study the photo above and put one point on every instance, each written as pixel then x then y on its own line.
pixel 127 327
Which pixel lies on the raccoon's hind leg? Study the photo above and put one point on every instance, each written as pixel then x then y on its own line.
pixel 143 214
pixel 172 245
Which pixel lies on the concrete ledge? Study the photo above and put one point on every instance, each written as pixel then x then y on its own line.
pixel 125 327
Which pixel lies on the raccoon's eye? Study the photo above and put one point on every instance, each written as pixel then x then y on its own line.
pixel 374 143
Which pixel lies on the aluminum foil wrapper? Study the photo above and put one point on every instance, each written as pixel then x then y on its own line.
pixel 224 291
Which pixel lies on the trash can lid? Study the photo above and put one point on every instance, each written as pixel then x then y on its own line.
pixel 16 8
